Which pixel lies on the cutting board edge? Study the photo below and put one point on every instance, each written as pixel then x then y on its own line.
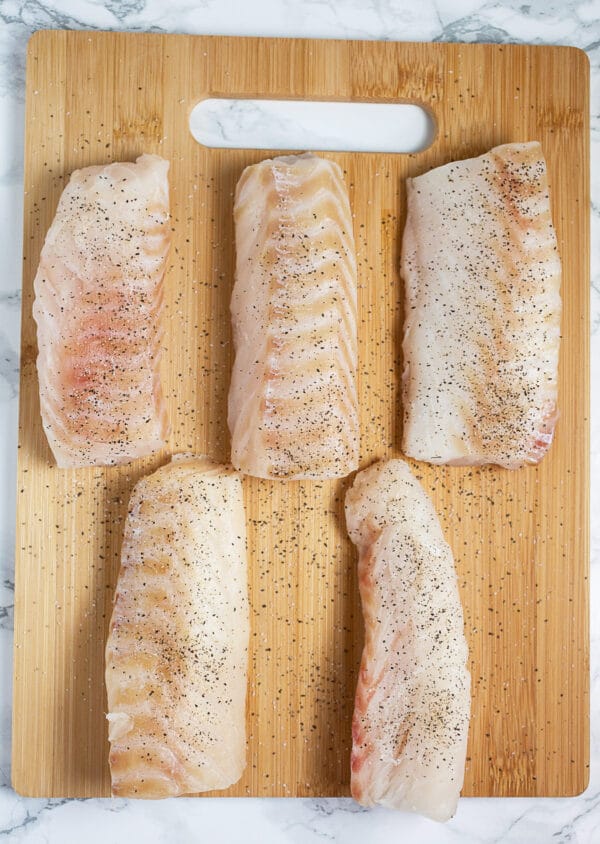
pixel 234 38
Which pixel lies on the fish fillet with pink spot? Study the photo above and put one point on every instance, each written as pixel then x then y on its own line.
pixel 482 277
pixel 98 307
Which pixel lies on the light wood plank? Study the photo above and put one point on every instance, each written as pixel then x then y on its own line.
pixel 520 538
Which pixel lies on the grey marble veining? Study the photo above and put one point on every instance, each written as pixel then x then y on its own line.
pixel 575 22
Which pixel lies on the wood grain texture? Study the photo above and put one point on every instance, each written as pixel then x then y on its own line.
pixel 520 538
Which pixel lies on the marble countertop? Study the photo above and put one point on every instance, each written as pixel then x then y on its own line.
pixel 301 821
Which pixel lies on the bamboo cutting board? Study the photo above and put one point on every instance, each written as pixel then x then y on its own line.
pixel 520 538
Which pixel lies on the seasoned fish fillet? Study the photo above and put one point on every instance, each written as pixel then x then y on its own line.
pixel 482 319
pixel 293 408
pixel 411 714
pixel 176 656
pixel 98 304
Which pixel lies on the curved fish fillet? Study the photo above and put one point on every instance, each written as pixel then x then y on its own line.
pixel 411 715
pixel 98 303
pixel 176 655
pixel 482 319
pixel 293 408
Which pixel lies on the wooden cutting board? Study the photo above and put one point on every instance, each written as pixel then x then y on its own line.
pixel 520 538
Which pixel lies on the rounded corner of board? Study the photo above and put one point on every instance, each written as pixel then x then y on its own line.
pixel 37 36
pixel 581 57
pixel 20 787
pixel 581 785
pixel 577 57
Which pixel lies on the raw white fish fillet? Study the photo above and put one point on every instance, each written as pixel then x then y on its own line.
pixel 177 650
pixel 98 305
pixel 293 407
pixel 411 715
pixel 482 316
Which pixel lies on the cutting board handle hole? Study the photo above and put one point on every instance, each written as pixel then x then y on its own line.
pixel 308 124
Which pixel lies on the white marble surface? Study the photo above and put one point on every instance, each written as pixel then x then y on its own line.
pixel 295 124
pixel 574 22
